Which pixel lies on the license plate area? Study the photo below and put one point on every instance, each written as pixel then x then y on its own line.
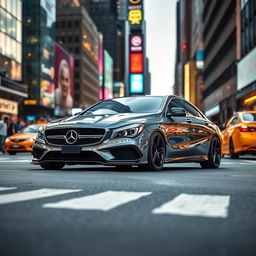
pixel 71 150
pixel 15 146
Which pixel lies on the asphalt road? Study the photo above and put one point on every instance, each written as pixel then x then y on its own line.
pixel 93 210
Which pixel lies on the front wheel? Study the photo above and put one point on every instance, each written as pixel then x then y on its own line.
pixel 214 156
pixel 52 166
pixel 156 153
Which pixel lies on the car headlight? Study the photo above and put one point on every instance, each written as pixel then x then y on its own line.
pixel 40 133
pixel 30 140
pixel 130 131
pixel 7 140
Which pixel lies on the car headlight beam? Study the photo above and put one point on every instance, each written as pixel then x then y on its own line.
pixel 130 132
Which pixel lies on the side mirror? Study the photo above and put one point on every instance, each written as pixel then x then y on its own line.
pixel 176 112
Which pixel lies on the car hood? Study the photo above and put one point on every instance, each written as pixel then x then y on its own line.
pixel 106 121
pixel 22 136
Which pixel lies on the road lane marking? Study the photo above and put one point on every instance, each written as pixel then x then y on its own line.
pixel 7 188
pixel 215 206
pixel 102 201
pixel 16 161
pixel 249 161
pixel 34 194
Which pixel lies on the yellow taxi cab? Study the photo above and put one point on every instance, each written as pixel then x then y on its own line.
pixel 239 134
pixel 22 141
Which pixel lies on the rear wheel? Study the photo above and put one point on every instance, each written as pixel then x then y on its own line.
pixel 156 153
pixel 233 155
pixel 214 156
pixel 52 166
pixel 12 152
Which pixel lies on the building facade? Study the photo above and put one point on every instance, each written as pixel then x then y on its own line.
pixel 77 33
pixel 246 75
pixel 220 70
pixel 39 19
pixel 12 91
pixel 105 15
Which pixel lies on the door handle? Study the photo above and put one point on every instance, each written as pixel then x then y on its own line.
pixel 189 121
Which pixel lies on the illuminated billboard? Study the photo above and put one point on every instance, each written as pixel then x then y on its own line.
pixel 64 80
pixel 101 58
pixel 135 12
pixel 108 76
pixel 136 63
pixel 47 61
pixel 136 43
pixel 136 83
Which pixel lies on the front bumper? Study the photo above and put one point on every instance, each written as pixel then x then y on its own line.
pixel 123 151
pixel 23 146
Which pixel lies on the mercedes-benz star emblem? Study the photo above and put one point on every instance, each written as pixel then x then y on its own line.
pixel 71 137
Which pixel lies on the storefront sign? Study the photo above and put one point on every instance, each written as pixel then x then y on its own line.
pixel 29 102
pixel 8 106
pixel 246 70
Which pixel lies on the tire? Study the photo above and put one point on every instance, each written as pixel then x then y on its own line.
pixel 214 156
pixel 12 153
pixel 156 153
pixel 52 166
pixel 232 153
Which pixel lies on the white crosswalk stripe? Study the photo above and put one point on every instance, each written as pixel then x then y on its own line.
pixel 34 194
pixel 7 188
pixel 16 161
pixel 214 206
pixel 102 201
pixel 196 205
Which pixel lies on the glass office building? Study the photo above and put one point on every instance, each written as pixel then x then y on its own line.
pixel 10 38
pixel 39 17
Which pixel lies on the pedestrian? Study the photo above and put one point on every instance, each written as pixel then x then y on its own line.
pixel 3 133
pixel 11 128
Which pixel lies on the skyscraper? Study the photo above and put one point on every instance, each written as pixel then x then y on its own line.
pixel 39 19
pixel 77 33
pixel 12 93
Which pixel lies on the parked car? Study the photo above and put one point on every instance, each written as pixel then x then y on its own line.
pixel 146 131
pixel 22 141
pixel 239 134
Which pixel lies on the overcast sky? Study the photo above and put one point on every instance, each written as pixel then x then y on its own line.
pixel 161 38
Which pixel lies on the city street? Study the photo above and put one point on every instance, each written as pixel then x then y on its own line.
pixel 95 210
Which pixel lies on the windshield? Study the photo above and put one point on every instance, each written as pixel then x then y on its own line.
pixel 30 129
pixel 126 105
pixel 249 117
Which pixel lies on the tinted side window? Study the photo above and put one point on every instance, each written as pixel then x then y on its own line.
pixel 234 121
pixel 191 111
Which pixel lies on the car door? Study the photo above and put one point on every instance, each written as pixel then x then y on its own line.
pixel 204 130
pixel 182 133
pixel 227 133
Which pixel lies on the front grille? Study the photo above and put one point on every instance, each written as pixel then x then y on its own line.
pixel 86 136
pixel 86 156
pixel 17 140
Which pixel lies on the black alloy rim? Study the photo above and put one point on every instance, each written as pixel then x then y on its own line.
pixel 216 152
pixel 158 151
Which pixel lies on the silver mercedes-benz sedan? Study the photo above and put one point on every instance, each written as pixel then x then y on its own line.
pixel 145 131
